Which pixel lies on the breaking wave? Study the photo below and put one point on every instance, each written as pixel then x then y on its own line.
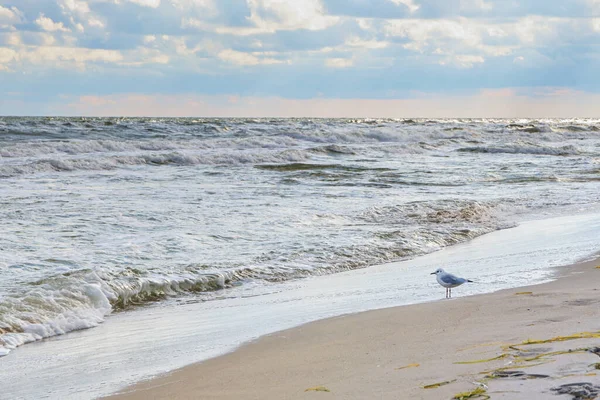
pixel 81 299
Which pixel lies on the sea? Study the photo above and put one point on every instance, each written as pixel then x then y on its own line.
pixel 179 239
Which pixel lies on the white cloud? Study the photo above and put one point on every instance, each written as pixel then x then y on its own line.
pixel 275 15
pixel 365 24
pixel 464 61
pixel 410 4
pixel 143 56
pixel 80 15
pixel 80 58
pixel 339 62
pixel 94 22
pixel 365 44
pixel 266 16
pixel 7 56
pixel 205 7
pixel 10 38
pixel 50 26
pixel 176 44
pixel 10 16
pixel 422 32
pixel 245 59
pixel 531 29
pixel 146 3
pixel 484 37
pixel 143 3
pixel 58 55
pixel 476 5
pixel 198 24
pixel 76 6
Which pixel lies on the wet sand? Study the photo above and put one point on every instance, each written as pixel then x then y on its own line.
pixel 425 351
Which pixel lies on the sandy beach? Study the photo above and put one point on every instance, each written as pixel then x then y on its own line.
pixel 433 350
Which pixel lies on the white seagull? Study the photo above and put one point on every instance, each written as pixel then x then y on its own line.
pixel 448 281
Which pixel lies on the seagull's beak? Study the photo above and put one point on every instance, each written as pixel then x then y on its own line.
pixel 433 273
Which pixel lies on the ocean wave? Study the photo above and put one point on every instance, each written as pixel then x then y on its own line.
pixel 49 137
pixel 82 299
pixel 440 212
pixel 271 176
pixel 524 149
pixel 334 149
pixel 76 147
pixel 152 159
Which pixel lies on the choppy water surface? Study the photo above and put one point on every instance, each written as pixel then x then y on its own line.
pixel 103 214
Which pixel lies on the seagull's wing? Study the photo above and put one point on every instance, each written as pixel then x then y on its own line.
pixel 451 279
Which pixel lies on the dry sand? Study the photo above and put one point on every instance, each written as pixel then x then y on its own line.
pixel 393 353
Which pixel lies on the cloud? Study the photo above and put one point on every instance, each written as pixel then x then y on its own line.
pixel 79 59
pixel 275 15
pixel 195 23
pixel 345 49
pixel 10 16
pixel 339 62
pixel 246 59
pixel 199 6
pixel 80 15
pixel 410 4
pixel 7 56
pixel 263 17
pixel 146 3
pixel 69 55
pixel 463 60
pixel 48 25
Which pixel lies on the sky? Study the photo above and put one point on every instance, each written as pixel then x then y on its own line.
pixel 320 58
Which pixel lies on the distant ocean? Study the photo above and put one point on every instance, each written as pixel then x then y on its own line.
pixel 102 215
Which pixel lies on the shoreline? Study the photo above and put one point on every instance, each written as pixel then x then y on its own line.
pixel 381 353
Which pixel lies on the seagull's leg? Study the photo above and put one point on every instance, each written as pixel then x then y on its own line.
pixel 446 292
pixel 450 293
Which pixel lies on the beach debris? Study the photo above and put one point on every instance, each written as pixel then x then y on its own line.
pixel 522 293
pixel 318 389
pixel 437 385
pixel 579 391
pixel 413 365
pixel 522 356
pixel 598 267
pixel 478 393
pixel 515 375
pixel 595 350
pixel 508 368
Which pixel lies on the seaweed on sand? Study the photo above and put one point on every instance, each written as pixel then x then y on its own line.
pixel 437 385
pixel 581 335
pixel 501 356
pixel 478 393
pixel 413 365
pixel 318 389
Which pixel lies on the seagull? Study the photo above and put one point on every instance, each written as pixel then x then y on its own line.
pixel 448 281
